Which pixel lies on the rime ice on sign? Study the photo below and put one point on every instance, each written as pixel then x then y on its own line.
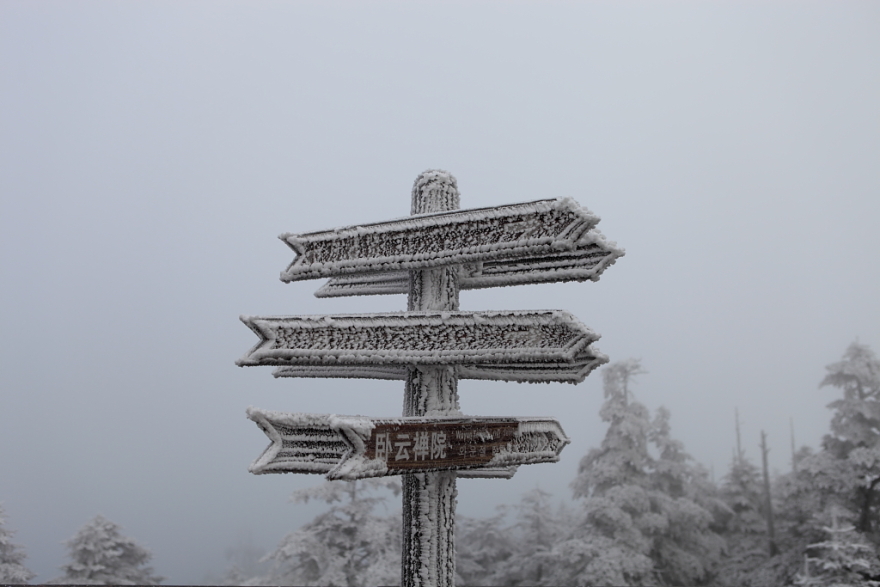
pixel 431 255
pixel 355 447
pixel 425 338
pixel 441 239
pixel 586 261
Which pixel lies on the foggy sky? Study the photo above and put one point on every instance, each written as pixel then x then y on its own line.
pixel 153 151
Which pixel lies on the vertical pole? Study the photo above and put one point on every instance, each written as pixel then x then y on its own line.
pixel 739 452
pixel 429 498
pixel 768 502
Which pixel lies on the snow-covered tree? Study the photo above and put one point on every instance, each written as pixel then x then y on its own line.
pixel 855 428
pixel 645 520
pixel 482 547
pixel 688 550
pixel 346 545
pixel 101 555
pixel 490 553
pixel 843 559
pixel 843 475
pixel 536 529
pixel 741 490
pixel 12 569
pixel 609 544
pixel 745 530
pixel 622 458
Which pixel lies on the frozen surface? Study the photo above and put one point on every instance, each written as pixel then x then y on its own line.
pixel 590 257
pixel 444 238
pixel 425 338
pixel 356 447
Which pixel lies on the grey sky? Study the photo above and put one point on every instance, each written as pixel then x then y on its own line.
pixel 153 151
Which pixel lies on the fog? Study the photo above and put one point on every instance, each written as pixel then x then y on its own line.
pixel 152 152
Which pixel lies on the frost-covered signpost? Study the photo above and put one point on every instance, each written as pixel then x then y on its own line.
pixel 431 255
pixel 356 447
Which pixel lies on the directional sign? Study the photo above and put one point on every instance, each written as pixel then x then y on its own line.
pixel 591 256
pixel 533 372
pixel 355 447
pixel 447 238
pixel 526 338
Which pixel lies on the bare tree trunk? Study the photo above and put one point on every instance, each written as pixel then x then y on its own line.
pixel 768 503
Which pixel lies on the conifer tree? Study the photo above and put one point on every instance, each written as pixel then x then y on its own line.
pixel 844 558
pixel 855 428
pixel 642 521
pixel 745 529
pixel 101 555
pixel 12 569
pixel 483 547
pixel 843 474
pixel 536 529
pixel 688 550
pixel 347 544
pixel 610 543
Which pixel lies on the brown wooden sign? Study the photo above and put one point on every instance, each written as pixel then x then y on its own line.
pixel 408 446
pixel 355 447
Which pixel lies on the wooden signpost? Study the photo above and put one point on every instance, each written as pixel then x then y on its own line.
pixel 355 447
pixel 424 338
pixel 431 256
pixel 590 256
pixel 441 238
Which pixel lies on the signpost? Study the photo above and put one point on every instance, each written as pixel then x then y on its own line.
pixel 524 372
pixel 424 338
pixel 437 238
pixel 355 447
pixel 431 255
pixel 587 260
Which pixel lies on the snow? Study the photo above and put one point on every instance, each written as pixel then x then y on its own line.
pixel 336 445
pixel 431 256
pixel 419 338
pixel 440 238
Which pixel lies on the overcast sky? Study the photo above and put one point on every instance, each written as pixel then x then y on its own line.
pixel 152 152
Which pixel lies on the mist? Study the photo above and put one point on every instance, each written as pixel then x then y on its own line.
pixel 153 152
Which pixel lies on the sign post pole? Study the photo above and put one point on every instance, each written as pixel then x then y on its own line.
pixel 431 255
pixel 428 556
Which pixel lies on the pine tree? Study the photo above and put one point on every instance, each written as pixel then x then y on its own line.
pixel 530 541
pixel 346 545
pixel 12 569
pixel 644 520
pixel 483 546
pixel 537 529
pixel 855 427
pixel 688 550
pixel 747 560
pixel 610 542
pixel 741 490
pixel 845 472
pixel 101 555
pixel 843 559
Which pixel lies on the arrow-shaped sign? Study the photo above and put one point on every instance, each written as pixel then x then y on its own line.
pixel 590 257
pixel 355 447
pixel 504 339
pixel 537 372
pixel 447 238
